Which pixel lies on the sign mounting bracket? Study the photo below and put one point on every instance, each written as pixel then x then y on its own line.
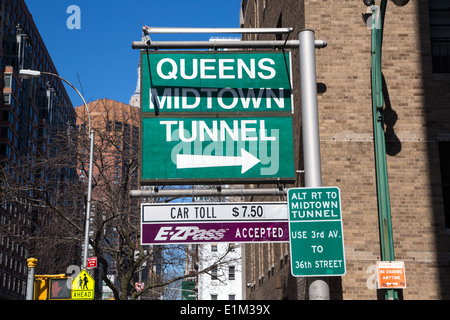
pixel 226 192
pixel 261 44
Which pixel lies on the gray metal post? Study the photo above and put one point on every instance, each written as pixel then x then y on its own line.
pixel 30 281
pixel 207 193
pixel 318 287
pixel 229 44
pixel 89 197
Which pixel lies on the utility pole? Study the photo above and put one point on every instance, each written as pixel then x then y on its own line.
pixel 28 74
pixel 31 262
pixel 318 287
pixel 384 207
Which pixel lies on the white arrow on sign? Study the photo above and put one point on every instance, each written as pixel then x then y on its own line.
pixel 246 160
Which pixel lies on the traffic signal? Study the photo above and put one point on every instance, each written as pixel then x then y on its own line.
pixel 59 289
pixel 40 289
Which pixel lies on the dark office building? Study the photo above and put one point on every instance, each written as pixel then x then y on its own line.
pixel 30 113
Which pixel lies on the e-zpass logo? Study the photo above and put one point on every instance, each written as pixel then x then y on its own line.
pixel 183 233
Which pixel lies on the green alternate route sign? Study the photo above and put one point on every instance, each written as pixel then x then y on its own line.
pixel 209 117
pixel 316 232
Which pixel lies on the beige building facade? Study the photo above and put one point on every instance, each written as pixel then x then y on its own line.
pixel 416 72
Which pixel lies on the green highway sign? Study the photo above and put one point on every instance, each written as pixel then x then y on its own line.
pixel 211 117
pixel 316 232
pixel 212 82
pixel 212 149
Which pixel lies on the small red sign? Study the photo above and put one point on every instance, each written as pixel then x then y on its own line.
pixel 391 275
pixel 92 262
pixel 139 286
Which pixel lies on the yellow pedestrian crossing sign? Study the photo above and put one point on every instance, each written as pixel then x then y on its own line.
pixel 83 286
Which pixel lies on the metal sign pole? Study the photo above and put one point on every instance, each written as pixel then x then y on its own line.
pixel 229 44
pixel 280 192
pixel 31 262
pixel 158 30
pixel 384 206
pixel 318 287
pixel 147 43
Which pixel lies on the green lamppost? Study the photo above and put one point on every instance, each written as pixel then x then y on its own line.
pixel 384 207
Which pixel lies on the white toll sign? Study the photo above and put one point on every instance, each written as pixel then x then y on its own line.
pixel 172 223
pixel 214 211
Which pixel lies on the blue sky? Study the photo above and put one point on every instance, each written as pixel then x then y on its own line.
pixel 98 58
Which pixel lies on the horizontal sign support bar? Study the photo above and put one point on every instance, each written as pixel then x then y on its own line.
pixel 158 30
pixel 268 44
pixel 208 192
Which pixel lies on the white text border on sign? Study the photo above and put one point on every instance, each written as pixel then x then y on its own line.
pixel 216 82
pixel 182 150
pixel 214 211
pixel 229 113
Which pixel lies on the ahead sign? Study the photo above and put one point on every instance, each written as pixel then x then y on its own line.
pixel 83 286
pixel 216 116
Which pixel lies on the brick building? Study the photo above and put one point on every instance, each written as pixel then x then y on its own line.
pixel 417 130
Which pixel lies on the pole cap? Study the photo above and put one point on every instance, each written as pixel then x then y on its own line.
pixel 32 262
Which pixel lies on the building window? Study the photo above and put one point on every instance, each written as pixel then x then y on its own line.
pixel 8 78
pixel 444 157
pixel 231 273
pixel 244 4
pixel 7 98
pixel 213 247
pixel 439 12
pixel 213 296
pixel 214 273
pixel 108 125
pixel 231 296
pixel 5 150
